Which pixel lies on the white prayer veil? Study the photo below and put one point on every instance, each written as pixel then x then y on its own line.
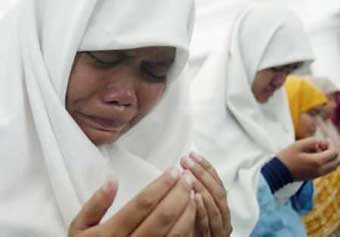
pixel 324 84
pixel 49 167
pixel 212 19
pixel 325 40
pixel 231 129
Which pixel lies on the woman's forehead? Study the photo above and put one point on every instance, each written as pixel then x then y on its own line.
pixel 164 53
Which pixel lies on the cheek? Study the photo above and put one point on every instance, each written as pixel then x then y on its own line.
pixel 82 86
pixel 257 89
pixel 307 125
pixel 149 95
pixel 262 82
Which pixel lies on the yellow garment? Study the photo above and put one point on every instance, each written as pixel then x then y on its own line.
pixel 302 96
pixel 324 219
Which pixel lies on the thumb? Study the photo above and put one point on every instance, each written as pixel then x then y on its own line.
pixel 94 210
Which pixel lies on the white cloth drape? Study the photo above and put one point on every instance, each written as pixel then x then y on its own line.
pixel 236 133
pixel 324 84
pixel 48 166
pixel 325 39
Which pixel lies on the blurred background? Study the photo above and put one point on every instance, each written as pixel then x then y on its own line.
pixel 321 19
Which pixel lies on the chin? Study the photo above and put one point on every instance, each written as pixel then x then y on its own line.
pixel 263 100
pixel 99 138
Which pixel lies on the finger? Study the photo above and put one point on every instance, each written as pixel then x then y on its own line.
pixel 186 223
pixel 215 214
pixel 318 148
pixel 166 214
pixel 94 209
pixel 323 145
pixel 131 215
pixel 216 189
pixel 308 144
pixel 222 201
pixel 202 170
pixel 325 157
pixel 216 224
pixel 330 167
pixel 202 217
pixel 207 166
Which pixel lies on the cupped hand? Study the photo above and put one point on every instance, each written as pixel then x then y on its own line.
pixel 213 216
pixel 310 158
pixel 166 207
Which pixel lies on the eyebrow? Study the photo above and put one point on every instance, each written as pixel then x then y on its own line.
pixel 166 58
pixel 157 60
pixel 163 62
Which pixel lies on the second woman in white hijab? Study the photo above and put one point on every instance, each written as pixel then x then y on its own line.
pixel 242 118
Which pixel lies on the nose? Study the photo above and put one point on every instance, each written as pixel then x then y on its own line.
pixel 121 92
pixel 279 81
pixel 313 125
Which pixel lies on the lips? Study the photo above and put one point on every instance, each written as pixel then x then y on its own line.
pixel 269 92
pixel 110 125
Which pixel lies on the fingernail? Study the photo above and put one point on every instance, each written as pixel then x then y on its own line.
pixel 188 178
pixel 110 185
pixel 195 156
pixel 174 172
pixel 188 162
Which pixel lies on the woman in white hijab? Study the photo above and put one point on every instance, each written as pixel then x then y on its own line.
pixel 75 76
pixel 248 124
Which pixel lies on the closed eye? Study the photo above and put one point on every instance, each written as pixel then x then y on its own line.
pixel 106 61
pixel 155 72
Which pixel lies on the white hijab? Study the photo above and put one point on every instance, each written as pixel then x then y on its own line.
pixel 234 131
pixel 48 166
pixel 213 18
pixel 325 40
pixel 324 84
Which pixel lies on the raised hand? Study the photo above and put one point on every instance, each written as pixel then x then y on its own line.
pixel 213 217
pixel 164 208
pixel 310 158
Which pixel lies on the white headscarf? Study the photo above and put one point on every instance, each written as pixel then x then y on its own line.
pixel 324 84
pixel 48 166
pixel 231 129
pixel 325 40
pixel 213 18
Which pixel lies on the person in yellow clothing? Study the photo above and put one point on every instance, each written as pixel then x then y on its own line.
pixel 306 103
pixel 324 220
